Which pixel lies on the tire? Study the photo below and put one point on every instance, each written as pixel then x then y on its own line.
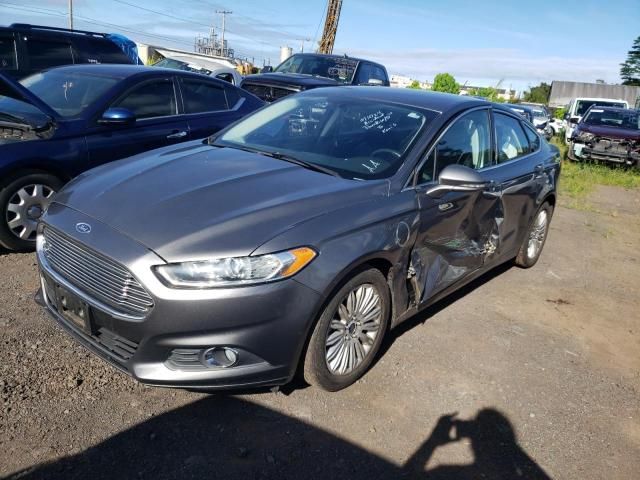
pixel 536 236
pixel 23 199
pixel 324 366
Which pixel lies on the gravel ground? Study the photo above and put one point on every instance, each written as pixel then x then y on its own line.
pixel 524 374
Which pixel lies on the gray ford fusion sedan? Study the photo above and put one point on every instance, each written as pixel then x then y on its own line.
pixel 295 239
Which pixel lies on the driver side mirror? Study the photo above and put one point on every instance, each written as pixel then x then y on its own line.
pixel 457 178
pixel 117 116
pixel 267 69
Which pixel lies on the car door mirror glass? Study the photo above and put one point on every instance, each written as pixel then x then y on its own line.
pixel 117 116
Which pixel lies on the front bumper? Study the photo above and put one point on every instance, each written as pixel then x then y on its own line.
pixel 581 151
pixel 267 324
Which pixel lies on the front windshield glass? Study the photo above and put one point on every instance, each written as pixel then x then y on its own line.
pixel 340 69
pixel 628 119
pixel 583 105
pixel 68 92
pixel 356 138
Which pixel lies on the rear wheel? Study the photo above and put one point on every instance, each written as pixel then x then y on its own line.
pixel 349 332
pixel 23 200
pixel 536 237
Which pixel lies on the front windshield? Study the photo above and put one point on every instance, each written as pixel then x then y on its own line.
pixel 68 92
pixel 356 138
pixel 539 114
pixel 628 119
pixel 583 105
pixel 340 69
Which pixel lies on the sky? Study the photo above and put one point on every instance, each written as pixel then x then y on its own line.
pixel 513 44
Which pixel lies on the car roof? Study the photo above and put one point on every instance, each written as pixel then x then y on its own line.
pixel 517 106
pixel 122 71
pixel 436 101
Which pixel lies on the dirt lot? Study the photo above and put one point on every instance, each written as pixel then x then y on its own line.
pixel 541 368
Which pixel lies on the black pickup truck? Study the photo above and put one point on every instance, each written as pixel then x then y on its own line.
pixel 304 71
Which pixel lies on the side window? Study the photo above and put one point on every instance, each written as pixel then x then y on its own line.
pixel 511 141
pixel 227 77
pixel 534 139
pixel 153 99
pixel 7 53
pixel 233 96
pixel 467 142
pixel 44 54
pixel 378 73
pixel 202 97
pixel 364 73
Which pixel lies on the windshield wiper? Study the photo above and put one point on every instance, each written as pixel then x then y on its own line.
pixel 13 118
pixel 301 163
pixel 281 156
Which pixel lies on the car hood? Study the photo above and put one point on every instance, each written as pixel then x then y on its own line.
pixel 13 89
pixel 291 79
pixel 196 201
pixel 610 132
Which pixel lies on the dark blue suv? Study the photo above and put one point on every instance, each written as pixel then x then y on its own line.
pixel 61 122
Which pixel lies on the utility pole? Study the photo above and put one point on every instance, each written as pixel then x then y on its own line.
pixel 71 14
pixel 224 14
pixel 302 40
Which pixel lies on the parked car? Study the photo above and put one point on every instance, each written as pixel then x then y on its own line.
pixel 579 106
pixel 301 234
pixel 535 116
pixel 27 49
pixel 305 71
pixel 203 66
pixel 607 134
pixel 61 122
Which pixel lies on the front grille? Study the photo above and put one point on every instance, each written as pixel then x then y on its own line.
pixel 95 274
pixel 266 92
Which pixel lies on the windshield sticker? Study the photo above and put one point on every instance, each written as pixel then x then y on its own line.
pixel 67 86
pixel 372 166
pixel 379 121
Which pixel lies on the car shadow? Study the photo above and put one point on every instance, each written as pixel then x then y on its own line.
pixel 223 436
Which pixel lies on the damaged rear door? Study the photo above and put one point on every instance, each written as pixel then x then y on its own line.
pixel 458 230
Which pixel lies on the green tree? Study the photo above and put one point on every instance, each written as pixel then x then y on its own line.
pixel 490 93
pixel 415 85
pixel 630 70
pixel 539 94
pixel 444 82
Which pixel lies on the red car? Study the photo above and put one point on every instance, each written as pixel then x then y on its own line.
pixel 607 134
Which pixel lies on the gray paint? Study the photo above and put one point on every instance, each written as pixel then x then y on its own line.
pixel 195 201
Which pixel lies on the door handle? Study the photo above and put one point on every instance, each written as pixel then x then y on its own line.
pixel 175 135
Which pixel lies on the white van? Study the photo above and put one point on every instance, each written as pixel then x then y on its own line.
pixel 578 107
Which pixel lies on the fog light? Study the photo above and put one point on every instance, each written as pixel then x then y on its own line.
pixel 219 357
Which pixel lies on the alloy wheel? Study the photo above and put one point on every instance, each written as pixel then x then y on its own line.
pixel 537 234
pixel 353 329
pixel 25 208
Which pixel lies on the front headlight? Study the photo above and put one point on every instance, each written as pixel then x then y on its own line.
pixel 235 271
pixel 585 136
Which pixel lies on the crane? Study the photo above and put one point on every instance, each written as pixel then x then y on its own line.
pixel 330 26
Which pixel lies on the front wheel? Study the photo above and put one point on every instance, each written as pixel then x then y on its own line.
pixel 536 237
pixel 23 200
pixel 349 332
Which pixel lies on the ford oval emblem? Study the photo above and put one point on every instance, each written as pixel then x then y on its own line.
pixel 83 227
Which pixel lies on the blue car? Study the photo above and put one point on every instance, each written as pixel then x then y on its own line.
pixel 58 123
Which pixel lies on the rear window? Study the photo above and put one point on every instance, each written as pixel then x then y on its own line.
pixel 45 54
pixel 99 51
pixel 7 53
